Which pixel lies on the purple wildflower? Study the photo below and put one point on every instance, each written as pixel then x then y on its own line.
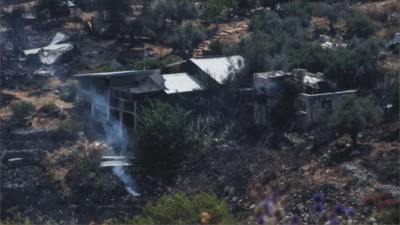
pixel 318 206
pixel 318 197
pixel 260 220
pixel 334 220
pixel 350 212
pixel 339 209
pixel 293 220
pixel 266 207
pixel 275 196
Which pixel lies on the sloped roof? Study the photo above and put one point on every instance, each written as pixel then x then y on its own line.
pixel 119 73
pixel 180 82
pixel 219 68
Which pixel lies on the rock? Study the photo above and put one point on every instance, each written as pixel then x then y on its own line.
pixel 355 153
pixel 361 177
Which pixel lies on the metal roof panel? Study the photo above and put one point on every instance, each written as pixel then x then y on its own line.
pixel 220 68
pixel 180 82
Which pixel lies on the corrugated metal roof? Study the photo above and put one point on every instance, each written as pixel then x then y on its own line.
pixel 221 67
pixel 180 82
pixel 120 73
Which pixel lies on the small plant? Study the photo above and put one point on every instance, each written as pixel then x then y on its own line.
pixel 68 93
pixel 22 110
pixel 50 109
pixel 201 208
pixel 105 68
pixel 386 207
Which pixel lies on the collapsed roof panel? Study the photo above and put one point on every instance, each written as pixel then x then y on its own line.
pixel 220 68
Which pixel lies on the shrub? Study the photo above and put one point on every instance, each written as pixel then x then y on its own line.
pixel 163 132
pixel 50 109
pixel 184 38
pixel 68 93
pixel 354 115
pixel 183 209
pixel 22 109
pixel 105 68
pixel 218 47
pixel 68 96
pixel 157 63
pixel 360 25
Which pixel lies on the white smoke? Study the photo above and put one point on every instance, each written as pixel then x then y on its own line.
pixel 115 134
pixel 128 181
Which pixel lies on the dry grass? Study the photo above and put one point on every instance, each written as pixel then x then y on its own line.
pixel 87 16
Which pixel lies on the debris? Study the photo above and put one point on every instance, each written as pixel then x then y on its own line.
pixel 14 159
pixel 49 54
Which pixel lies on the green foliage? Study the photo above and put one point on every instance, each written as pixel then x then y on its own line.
pixel 50 108
pixel 214 9
pixel 352 67
pixel 163 132
pixel 184 38
pixel 68 93
pixel 175 10
pixel 360 25
pixel 68 96
pixel 334 11
pixel 218 47
pixel 297 9
pixel 157 63
pixel 71 124
pixel 387 216
pixel 354 115
pixel 183 209
pixel 22 109
pixel 105 68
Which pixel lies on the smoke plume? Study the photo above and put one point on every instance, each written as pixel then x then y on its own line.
pixel 115 135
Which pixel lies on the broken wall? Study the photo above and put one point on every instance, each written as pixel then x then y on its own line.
pixel 317 107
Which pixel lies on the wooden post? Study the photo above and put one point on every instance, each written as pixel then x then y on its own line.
pixel 108 103
pixel 134 118
pixel 121 114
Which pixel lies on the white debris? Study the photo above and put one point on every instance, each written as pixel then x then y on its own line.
pixel 327 45
pixel 49 54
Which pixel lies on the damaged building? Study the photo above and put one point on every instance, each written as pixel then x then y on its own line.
pixel 118 94
pixel 318 98
pixel 192 82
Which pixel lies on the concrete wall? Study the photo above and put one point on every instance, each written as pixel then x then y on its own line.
pixel 312 108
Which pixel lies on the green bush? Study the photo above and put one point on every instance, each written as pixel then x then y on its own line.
pixel 22 109
pixel 49 107
pixel 360 25
pixel 105 68
pixel 184 38
pixel 163 132
pixel 183 209
pixel 354 115
pixel 68 92
pixel 157 63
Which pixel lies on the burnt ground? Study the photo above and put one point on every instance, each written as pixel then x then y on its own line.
pixel 49 182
